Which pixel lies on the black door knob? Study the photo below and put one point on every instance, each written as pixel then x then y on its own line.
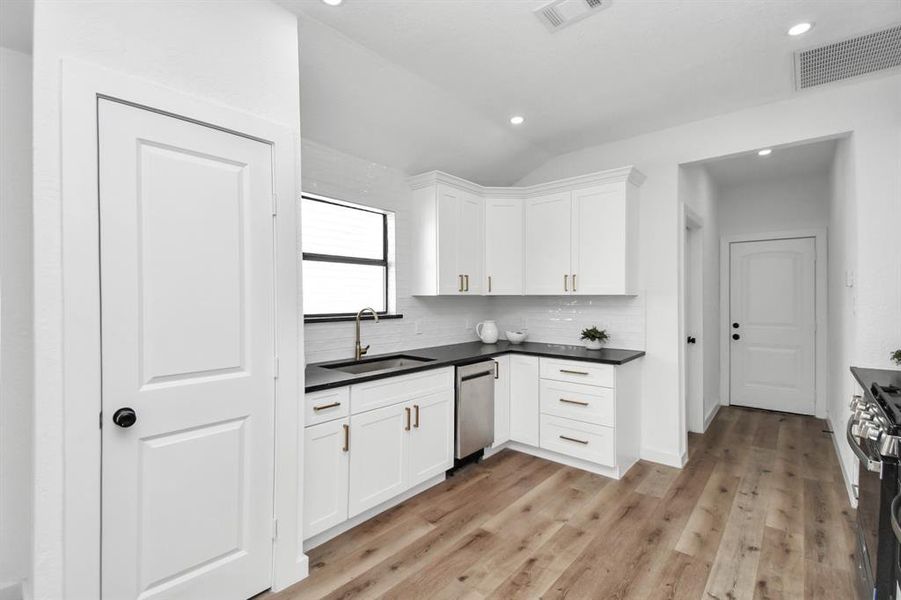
pixel 125 417
pixel 735 326
pixel 735 336
pixel 692 339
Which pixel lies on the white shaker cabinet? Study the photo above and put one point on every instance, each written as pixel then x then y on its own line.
pixel 547 244
pixel 503 246
pixel 525 405
pixel 325 460
pixel 501 400
pixel 431 450
pixel 378 465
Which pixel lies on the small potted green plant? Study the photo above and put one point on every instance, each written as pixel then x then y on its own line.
pixel 896 357
pixel 594 338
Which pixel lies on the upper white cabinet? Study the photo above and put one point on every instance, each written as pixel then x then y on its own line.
pixel 574 236
pixel 448 234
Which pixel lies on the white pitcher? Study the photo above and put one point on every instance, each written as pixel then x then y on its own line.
pixel 487 332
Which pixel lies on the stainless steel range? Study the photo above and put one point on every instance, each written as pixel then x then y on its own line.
pixel 874 434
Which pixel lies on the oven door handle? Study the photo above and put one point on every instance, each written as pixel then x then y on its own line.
pixel 871 465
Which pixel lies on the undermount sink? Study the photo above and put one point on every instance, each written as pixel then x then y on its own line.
pixel 387 363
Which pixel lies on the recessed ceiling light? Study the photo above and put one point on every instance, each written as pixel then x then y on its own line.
pixel 333 2
pixel 765 152
pixel 517 119
pixel 800 28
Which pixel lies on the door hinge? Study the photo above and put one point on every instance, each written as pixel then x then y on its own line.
pixel 274 204
pixel 275 368
pixel 275 529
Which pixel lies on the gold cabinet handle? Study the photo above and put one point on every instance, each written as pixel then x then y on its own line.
pixel 569 439
pixel 565 283
pixel 466 278
pixel 407 410
pixel 489 284
pixel 326 406
pixel 346 438
pixel 461 283
pixel 571 372
pixel 574 282
pixel 416 413
pixel 579 402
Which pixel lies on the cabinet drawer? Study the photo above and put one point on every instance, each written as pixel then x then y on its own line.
pixel 384 392
pixel 594 443
pixel 326 405
pixel 589 403
pixel 577 372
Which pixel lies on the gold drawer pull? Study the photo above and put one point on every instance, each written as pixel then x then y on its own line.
pixel 325 406
pixel 407 426
pixel 574 372
pixel 416 417
pixel 569 439
pixel 579 402
pixel 346 438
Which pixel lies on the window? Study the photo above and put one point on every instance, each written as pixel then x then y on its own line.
pixel 345 258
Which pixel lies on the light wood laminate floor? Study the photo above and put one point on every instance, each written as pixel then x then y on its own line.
pixel 759 511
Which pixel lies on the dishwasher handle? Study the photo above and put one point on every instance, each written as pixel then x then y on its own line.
pixel 477 375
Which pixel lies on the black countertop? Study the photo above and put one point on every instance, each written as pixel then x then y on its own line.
pixel 884 377
pixel 318 377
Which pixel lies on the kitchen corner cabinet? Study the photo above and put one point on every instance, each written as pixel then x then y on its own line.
pixel 448 235
pixel 576 236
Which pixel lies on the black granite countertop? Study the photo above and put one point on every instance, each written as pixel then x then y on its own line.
pixel 884 377
pixel 318 377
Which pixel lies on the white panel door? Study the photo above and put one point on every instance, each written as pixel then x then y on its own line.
pixel 471 242
pixel 547 244
pixel 378 460
pixel 186 243
pixel 599 240
pixel 432 436
pixel 525 405
pixel 501 400
pixel 772 326
pixel 325 459
pixel 503 246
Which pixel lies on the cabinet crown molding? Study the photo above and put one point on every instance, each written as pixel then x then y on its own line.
pixel 622 174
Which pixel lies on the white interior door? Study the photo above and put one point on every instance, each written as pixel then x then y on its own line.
pixel 772 327
pixel 186 246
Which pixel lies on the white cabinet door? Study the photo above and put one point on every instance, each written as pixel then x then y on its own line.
pixel 325 460
pixel 524 399
pixel 431 436
pixel 450 277
pixel 470 242
pixel 599 240
pixel 501 401
pixel 548 244
pixel 503 246
pixel 379 456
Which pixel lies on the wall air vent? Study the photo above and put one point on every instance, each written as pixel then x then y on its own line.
pixel 562 13
pixel 848 58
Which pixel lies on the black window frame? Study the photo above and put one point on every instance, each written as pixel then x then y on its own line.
pixel 352 260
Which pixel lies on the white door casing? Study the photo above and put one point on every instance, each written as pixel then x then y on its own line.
pixel 187 316
pixel 772 299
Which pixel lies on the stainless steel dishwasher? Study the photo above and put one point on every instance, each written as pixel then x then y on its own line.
pixel 475 408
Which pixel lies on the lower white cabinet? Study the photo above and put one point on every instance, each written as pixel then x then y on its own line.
pixel 325 460
pixel 524 399
pixel 378 460
pixel 431 447
pixel 501 401
pixel 594 443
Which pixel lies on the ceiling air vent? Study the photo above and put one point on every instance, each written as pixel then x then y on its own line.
pixel 561 13
pixel 849 58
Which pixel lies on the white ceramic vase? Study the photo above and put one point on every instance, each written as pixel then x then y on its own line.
pixel 593 344
pixel 487 332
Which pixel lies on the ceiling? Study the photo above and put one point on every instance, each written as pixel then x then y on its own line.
pixel 798 160
pixel 431 84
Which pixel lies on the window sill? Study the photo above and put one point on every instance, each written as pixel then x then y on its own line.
pixel 343 318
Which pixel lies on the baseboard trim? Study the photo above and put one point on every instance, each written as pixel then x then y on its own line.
pixel 611 472
pixel 708 419
pixel 321 538
pixel 849 487
pixel 664 458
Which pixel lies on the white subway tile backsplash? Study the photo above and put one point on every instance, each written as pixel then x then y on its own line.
pixel 445 320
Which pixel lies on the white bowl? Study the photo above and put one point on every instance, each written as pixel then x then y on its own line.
pixel 515 337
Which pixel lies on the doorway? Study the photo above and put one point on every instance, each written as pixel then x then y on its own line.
pixel 772 323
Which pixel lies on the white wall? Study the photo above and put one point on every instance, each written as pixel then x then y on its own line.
pixel 871 109
pixel 242 54
pixel 15 320
pixel 799 202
